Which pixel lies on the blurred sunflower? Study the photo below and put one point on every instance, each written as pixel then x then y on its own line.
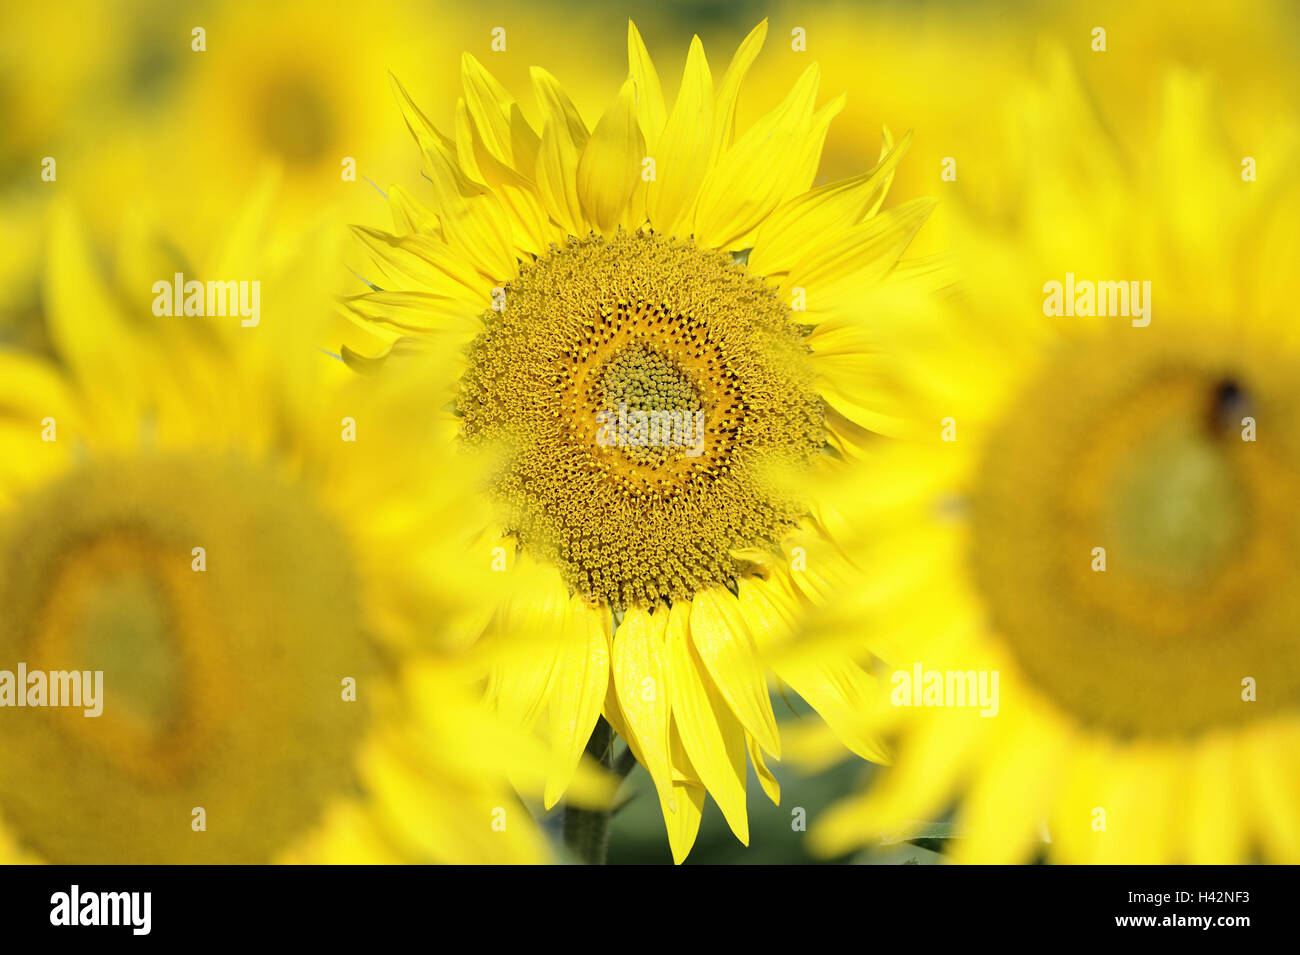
pixel 49 60
pixel 175 517
pixel 939 65
pixel 292 86
pixel 657 267
pixel 1100 508
pixel 134 115
pixel 52 63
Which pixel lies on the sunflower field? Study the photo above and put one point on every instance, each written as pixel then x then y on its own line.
pixel 649 433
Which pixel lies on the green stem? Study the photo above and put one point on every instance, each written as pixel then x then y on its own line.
pixel 586 831
pixel 625 763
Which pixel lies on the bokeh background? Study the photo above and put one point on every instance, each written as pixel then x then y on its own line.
pixel 147 132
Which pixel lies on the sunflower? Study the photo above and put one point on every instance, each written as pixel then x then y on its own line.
pixel 941 65
pixel 269 97
pixel 293 86
pixel 663 330
pixel 183 510
pixel 1097 509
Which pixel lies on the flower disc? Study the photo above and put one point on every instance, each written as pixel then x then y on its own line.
pixel 649 392
pixel 222 669
pixel 1136 537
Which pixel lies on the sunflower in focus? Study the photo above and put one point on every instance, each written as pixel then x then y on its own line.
pixel 183 508
pixel 1098 506
pixel 665 342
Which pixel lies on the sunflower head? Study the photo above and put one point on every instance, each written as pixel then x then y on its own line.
pixel 1095 503
pixel 204 527
pixel 664 325
pixel 646 389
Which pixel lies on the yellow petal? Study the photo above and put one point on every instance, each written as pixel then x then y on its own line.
pixel 713 739
pixel 810 153
pixel 614 714
pixel 933 759
pixel 765 777
pixel 882 174
pixel 581 681
pixel 557 180
pixel 1002 813
pixel 609 168
pixel 439 830
pixel 530 230
pixel 410 215
pixel 528 641
pixel 489 107
pixel 725 646
pixel 86 322
pixel 31 388
pixel 650 110
pixel 842 694
pixel 520 686
pixel 558 109
pixel 411 311
pixel 757 173
pixel 1215 821
pixel 640 665
pixel 784 237
pixel 682 153
pixel 32 391
pixel 846 262
pixel 683 820
pixel 1274 787
pixel 724 124
pixel 524 142
pixel 857 378
pixel 237 250
pixel 414 262
pixel 465 137
pixel 471 217
pixel 564 135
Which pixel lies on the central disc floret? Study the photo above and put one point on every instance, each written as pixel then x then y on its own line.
pixel 648 393
pixel 652 407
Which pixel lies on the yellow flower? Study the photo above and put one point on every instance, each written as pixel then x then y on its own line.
pixel 945 69
pixel 665 335
pixel 1097 507
pixel 294 84
pixel 181 510
pixel 131 116
pixel 47 58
